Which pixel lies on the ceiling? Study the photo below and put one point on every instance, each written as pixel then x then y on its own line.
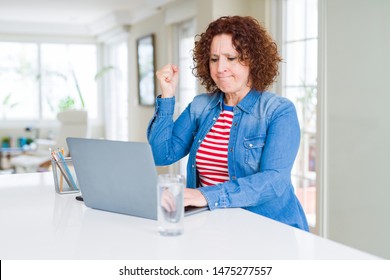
pixel 19 13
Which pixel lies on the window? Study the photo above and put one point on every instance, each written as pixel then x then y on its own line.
pixel 300 85
pixel 39 80
pixel 116 90
pixel 187 87
pixel 187 81
pixel 18 79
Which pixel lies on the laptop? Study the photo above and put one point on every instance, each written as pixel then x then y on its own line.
pixel 117 176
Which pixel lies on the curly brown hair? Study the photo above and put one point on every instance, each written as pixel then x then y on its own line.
pixel 254 45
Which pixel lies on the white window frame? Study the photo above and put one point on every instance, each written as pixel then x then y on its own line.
pixel 111 118
pixel 278 15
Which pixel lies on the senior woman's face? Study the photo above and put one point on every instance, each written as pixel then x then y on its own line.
pixel 229 74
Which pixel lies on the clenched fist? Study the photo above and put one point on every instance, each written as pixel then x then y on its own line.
pixel 168 77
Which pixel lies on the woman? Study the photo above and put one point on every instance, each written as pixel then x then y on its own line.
pixel 242 140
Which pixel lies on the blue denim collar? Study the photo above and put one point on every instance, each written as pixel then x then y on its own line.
pixel 217 100
pixel 249 101
pixel 245 104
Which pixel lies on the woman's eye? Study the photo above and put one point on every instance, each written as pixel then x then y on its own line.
pixel 232 58
pixel 213 59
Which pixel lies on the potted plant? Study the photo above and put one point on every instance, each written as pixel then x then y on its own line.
pixel 68 102
pixel 6 142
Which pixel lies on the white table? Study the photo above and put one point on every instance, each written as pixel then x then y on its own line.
pixel 37 223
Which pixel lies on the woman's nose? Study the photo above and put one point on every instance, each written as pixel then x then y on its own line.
pixel 221 65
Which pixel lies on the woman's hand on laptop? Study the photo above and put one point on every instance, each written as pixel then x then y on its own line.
pixel 193 197
pixel 168 201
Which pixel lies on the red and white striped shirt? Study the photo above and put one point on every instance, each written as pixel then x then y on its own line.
pixel 211 157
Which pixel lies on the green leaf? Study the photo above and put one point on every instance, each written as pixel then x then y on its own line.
pixel 103 71
pixel 78 89
pixel 6 98
pixel 6 101
pixel 66 104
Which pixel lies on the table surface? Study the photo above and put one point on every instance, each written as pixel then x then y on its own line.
pixel 37 223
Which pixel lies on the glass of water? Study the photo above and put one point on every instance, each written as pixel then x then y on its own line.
pixel 170 213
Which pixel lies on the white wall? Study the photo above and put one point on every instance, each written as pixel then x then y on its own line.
pixel 139 116
pixel 212 9
pixel 358 141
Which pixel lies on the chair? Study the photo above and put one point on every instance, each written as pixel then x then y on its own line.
pixel 73 123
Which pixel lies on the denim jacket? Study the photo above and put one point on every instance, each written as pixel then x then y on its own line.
pixel 264 140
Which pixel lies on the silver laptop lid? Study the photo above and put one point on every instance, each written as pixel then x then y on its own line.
pixel 116 176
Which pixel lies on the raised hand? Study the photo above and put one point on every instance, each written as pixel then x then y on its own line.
pixel 168 77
